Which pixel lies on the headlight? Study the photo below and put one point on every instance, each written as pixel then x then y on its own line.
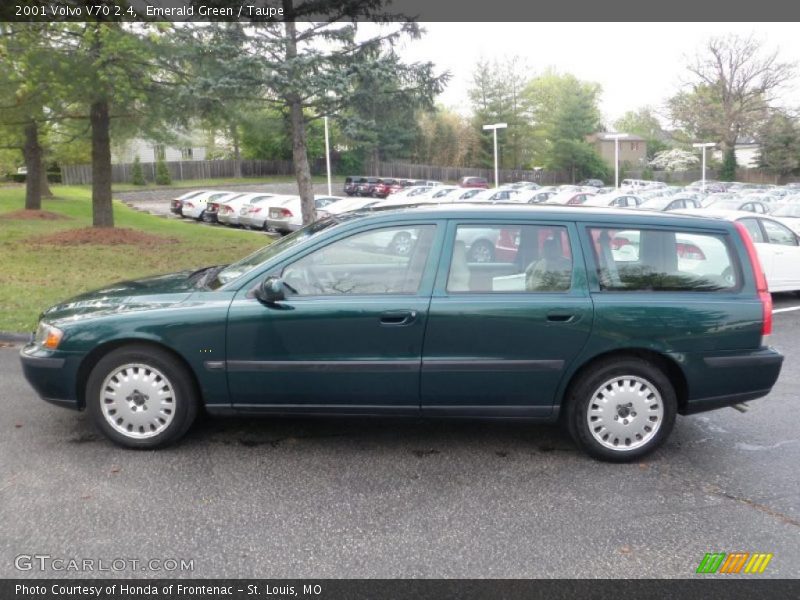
pixel 48 336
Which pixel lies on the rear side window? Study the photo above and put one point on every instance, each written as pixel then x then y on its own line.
pixel 510 258
pixel 663 260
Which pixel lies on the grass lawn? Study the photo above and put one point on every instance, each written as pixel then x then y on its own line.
pixel 35 276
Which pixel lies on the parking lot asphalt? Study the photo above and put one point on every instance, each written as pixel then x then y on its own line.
pixel 391 498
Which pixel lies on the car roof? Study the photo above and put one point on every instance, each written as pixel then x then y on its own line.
pixel 546 212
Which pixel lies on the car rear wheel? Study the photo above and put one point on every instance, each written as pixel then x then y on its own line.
pixel 140 396
pixel 621 409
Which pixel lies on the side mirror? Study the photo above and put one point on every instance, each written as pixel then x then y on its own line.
pixel 271 290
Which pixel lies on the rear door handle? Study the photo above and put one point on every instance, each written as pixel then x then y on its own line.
pixel 398 318
pixel 560 317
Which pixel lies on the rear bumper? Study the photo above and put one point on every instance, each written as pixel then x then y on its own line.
pixel 53 378
pixel 727 379
pixel 282 225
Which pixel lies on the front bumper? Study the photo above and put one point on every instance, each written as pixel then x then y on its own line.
pixel 52 377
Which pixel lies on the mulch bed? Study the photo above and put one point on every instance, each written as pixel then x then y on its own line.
pixel 34 215
pixel 105 236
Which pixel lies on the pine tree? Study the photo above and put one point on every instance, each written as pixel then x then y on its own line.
pixel 162 173
pixel 137 175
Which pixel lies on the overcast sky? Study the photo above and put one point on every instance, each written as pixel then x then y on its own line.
pixel 636 63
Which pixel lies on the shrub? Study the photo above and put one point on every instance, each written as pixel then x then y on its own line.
pixel 137 174
pixel 162 173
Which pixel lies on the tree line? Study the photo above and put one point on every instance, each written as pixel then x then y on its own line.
pixel 68 90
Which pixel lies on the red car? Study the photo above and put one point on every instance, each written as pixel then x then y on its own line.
pixel 385 187
pixel 474 182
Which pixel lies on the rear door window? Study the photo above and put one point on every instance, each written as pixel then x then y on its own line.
pixel 510 258
pixel 778 234
pixel 662 260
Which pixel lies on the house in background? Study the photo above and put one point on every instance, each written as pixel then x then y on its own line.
pixel 632 149
pixel 189 147
pixel 747 152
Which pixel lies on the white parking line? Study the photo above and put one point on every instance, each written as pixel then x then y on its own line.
pixel 787 309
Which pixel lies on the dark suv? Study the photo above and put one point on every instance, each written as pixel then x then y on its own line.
pixel 351 184
pixel 598 318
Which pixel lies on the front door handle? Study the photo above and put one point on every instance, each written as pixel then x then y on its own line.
pixel 398 318
pixel 560 317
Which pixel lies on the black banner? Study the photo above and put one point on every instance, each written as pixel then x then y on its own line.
pixel 731 588
pixel 400 10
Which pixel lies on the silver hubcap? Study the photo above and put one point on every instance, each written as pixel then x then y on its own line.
pixel 625 413
pixel 138 401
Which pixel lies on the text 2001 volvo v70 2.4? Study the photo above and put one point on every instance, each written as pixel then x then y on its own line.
pixel 563 323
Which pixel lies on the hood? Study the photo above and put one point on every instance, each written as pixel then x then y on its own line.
pixel 139 294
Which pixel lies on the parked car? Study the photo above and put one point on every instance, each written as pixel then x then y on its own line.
pixel 617 199
pixel 474 182
pixel 777 245
pixel 287 216
pixel 210 214
pixel 569 197
pixel 176 206
pixel 595 183
pixel 789 215
pixel 194 208
pixel 666 203
pixel 351 184
pixel 230 211
pixel 367 186
pixel 385 187
pixel 347 205
pixel 739 204
pixel 254 214
pixel 325 321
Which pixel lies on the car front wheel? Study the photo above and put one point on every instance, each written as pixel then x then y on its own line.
pixel 621 410
pixel 141 397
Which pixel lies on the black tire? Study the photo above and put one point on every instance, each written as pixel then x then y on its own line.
pixel 481 251
pixel 184 397
pixel 581 393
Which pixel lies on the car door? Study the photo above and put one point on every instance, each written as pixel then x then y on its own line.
pixel 501 334
pixel 785 254
pixel 348 336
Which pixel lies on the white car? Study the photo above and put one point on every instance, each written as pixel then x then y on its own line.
pixel 346 205
pixel 616 199
pixel 569 198
pixel 228 212
pixel 195 207
pixel 778 247
pixel 286 215
pixel 411 191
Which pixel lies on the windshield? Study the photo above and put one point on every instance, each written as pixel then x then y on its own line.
pixel 247 264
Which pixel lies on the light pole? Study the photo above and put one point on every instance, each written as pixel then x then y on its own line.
pixel 327 156
pixel 616 137
pixel 704 145
pixel 494 127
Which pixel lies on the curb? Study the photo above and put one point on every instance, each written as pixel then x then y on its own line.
pixel 8 336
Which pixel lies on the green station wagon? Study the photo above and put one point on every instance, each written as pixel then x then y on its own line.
pixel 562 322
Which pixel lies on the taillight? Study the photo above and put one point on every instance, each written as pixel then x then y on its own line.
pixel 255 210
pixel 761 280
pixel 285 212
pixel 690 252
pixel 188 205
pixel 618 243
